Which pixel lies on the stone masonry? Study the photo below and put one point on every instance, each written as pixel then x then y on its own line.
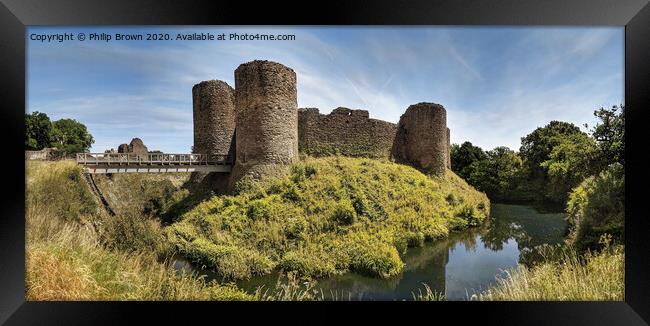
pixel 213 104
pixel 266 115
pixel 259 125
pixel 344 131
pixel 448 148
pixel 136 146
pixel 421 139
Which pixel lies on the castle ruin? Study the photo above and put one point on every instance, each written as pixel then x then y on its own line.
pixel 259 126
pixel 213 103
pixel 344 131
pixel 421 138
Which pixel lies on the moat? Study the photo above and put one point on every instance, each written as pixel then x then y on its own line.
pixel 459 266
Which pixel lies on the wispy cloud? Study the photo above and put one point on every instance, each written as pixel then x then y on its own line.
pixel 497 83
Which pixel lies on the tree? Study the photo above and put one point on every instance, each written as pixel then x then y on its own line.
pixel 463 156
pixel 572 160
pixel 498 174
pixel 37 130
pixel 71 136
pixel 610 133
pixel 536 149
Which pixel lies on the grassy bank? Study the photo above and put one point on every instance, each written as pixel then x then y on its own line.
pixel 329 215
pixel 72 250
pixel 567 276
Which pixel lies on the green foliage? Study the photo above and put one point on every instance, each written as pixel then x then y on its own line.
pixel 70 136
pixel 498 174
pixel 67 135
pixel 610 133
pixel 550 156
pixel 232 262
pixel 37 130
pixel 464 156
pixel 571 160
pixel 312 261
pixel 536 147
pixel 329 215
pixel 344 213
pixel 597 207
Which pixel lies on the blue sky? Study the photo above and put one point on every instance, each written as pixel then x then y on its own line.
pixel 497 83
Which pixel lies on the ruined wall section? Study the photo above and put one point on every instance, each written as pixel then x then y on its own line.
pixel 213 103
pixel 266 108
pixel 421 139
pixel 344 131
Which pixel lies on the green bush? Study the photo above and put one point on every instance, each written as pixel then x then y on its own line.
pixel 597 207
pixel 231 262
pixel 312 261
pixel 382 260
pixel 344 213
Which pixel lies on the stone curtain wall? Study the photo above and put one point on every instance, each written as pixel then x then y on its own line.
pixel 421 139
pixel 344 131
pixel 213 104
pixel 43 154
pixel 266 116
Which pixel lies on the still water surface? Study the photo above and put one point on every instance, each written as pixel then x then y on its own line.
pixel 465 263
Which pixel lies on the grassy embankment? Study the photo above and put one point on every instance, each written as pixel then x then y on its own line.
pixel 328 215
pixel 74 251
pixel 568 276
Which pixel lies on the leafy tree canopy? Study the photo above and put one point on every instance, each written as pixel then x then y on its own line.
pixel 37 130
pixel 609 132
pixel 71 136
pixel 536 147
pixel 463 156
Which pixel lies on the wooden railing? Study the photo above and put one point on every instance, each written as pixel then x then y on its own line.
pixel 152 159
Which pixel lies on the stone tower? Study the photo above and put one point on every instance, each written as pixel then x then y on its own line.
pixel 421 139
pixel 266 114
pixel 448 148
pixel 213 104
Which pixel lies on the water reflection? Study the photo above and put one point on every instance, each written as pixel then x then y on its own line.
pixel 459 266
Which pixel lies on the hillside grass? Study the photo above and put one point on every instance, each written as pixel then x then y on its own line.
pixel 328 215
pixel 569 277
pixel 70 254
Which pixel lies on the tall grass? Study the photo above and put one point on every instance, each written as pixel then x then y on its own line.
pixel 428 294
pixel 67 260
pixel 588 277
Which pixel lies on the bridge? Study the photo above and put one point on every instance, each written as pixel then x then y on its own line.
pixel 102 163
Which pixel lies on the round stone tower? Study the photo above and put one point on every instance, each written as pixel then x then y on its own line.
pixel 448 148
pixel 213 104
pixel 421 139
pixel 266 116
